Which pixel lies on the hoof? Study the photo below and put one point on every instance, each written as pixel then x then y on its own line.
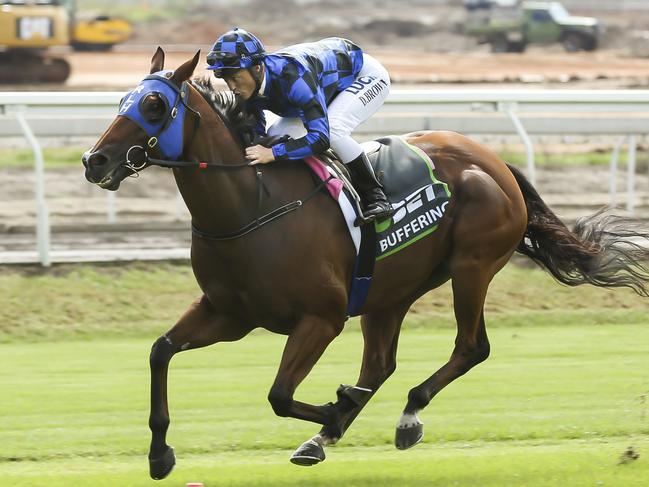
pixel 408 437
pixel 309 453
pixel 160 467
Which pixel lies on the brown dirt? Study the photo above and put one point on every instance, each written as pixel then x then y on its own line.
pixel 532 69
pixel 420 46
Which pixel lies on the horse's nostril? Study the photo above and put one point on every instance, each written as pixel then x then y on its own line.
pixel 96 159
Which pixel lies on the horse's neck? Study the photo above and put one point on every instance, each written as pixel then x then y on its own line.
pixel 217 199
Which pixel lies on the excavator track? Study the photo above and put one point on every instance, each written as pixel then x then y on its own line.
pixel 17 67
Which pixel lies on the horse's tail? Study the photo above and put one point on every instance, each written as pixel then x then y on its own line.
pixel 602 249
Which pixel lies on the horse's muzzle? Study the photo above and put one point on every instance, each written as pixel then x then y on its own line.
pixel 99 172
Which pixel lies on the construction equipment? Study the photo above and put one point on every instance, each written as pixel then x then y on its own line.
pixel 98 33
pixel 27 29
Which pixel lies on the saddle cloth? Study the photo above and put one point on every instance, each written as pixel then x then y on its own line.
pixel 419 198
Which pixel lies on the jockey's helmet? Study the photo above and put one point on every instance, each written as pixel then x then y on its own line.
pixel 236 49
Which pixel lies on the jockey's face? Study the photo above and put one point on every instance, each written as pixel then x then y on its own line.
pixel 241 82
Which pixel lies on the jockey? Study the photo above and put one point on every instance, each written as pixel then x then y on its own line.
pixel 325 88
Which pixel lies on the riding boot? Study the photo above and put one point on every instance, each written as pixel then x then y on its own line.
pixel 375 204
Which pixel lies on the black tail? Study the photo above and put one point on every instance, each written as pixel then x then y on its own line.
pixel 603 249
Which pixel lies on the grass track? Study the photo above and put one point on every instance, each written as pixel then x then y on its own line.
pixel 554 405
pixel 142 300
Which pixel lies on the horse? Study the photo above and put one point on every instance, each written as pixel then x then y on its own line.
pixel 286 267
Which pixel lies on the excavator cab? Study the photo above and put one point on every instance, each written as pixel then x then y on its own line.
pixel 27 29
pixel 96 33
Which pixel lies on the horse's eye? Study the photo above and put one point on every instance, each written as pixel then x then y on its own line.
pixel 153 108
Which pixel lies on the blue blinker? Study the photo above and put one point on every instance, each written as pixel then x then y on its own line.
pixel 169 129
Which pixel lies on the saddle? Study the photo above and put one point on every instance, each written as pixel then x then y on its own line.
pixel 418 197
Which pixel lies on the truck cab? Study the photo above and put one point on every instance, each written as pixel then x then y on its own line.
pixel 509 26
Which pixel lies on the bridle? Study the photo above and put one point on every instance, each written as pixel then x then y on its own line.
pixel 153 143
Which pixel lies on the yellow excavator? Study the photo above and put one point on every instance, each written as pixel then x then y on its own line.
pixel 29 27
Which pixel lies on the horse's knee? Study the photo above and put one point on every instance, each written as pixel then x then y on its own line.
pixel 161 352
pixel 383 369
pixel 280 401
pixel 389 369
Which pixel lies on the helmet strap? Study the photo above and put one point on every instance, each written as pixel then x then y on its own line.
pixel 258 76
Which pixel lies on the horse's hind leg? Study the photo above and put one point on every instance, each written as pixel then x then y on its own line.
pixel 471 348
pixel 200 326
pixel 380 335
pixel 484 240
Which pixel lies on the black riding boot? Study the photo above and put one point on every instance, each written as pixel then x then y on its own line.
pixel 375 204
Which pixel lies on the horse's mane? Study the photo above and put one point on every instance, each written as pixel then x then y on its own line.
pixel 240 121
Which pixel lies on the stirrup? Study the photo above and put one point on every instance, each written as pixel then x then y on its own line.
pixel 365 218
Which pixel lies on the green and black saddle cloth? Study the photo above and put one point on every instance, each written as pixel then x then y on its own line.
pixel 419 200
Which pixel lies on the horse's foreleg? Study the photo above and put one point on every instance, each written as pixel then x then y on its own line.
pixel 200 326
pixel 305 345
pixel 161 456
pixel 380 335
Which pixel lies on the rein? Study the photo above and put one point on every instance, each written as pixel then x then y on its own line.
pixel 258 222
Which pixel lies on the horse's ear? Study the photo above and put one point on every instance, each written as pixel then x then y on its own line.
pixel 184 72
pixel 157 61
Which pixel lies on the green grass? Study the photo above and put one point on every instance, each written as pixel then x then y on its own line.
pixel 552 159
pixel 553 406
pixel 54 157
pixel 71 156
pixel 143 300
pixel 563 395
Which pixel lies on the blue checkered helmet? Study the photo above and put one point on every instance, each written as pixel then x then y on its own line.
pixel 236 49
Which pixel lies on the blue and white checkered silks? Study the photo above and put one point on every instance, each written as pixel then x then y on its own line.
pixel 169 129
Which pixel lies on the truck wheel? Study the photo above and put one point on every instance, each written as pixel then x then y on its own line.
pixel 518 46
pixel 499 43
pixel 573 42
pixel 590 44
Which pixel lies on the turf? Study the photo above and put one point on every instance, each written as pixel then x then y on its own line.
pixel 552 406
pixel 562 397
pixel 143 300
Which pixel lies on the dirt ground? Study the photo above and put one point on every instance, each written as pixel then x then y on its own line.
pixel 421 47
pixel 419 42
pixel 534 69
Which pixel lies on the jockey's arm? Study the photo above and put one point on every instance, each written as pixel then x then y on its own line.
pixel 308 97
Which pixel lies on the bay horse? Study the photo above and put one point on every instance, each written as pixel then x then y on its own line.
pixel 289 272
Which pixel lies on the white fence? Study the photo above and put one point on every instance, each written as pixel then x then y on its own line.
pixel 539 112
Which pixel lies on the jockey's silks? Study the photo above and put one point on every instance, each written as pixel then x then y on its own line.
pixel 301 81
